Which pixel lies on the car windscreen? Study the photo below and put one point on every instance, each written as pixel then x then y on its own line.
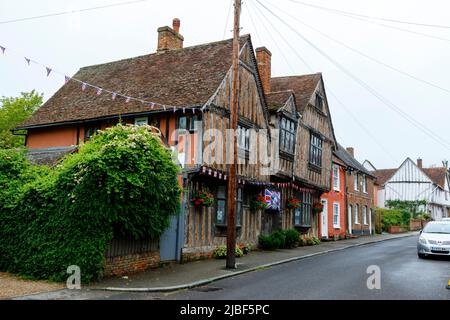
pixel 437 228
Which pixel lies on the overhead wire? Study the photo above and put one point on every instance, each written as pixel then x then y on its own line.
pixel 70 12
pixel 421 24
pixel 358 122
pixel 381 98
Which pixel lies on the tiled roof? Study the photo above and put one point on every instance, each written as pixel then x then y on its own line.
pixel 184 78
pixel 350 161
pixel 48 156
pixel 303 87
pixel 437 175
pixel 276 100
pixel 384 175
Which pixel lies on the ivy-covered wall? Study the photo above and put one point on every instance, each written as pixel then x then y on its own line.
pixel 123 182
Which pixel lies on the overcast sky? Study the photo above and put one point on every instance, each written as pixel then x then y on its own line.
pixel 69 42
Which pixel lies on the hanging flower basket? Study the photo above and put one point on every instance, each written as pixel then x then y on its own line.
pixel 259 203
pixel 317 207
pixel 203 198
pixel 293 203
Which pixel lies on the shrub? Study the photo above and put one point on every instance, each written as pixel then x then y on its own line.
pixel 291 238
pixel 246 248
pixel 123 182
pixel 279 238
pixel 302 240
pixel 316 240
pixel 221 252
pixel 394 217
pixel 266 242
pixel 310 241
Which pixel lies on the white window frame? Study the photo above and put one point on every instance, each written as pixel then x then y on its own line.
pixel 355 182
pixel 356 215
pixel 364 183
pixel 338 215
pixel 365 215
pixel 141 121
pixel 336 178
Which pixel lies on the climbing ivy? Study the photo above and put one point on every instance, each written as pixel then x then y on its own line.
pixel 123 182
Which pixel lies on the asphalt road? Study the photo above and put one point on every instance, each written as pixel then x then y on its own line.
pixel 338 275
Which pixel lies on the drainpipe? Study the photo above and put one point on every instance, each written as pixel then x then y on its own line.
pixel 346 202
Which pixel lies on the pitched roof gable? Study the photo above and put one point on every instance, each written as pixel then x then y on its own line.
pixel 350 161
pixel 184 78
pixel 437 175
pixel 303 87
pixel 383 175
pixel 277 100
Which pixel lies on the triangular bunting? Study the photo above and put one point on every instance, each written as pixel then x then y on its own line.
pixel 49 70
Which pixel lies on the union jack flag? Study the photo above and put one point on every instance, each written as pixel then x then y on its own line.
pixel 272 199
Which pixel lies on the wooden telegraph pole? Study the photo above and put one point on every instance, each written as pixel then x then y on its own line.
pixel 231 228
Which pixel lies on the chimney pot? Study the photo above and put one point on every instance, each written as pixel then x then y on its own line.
pixel 419 163
pixel 170 39
pixel 263 59
pixel 176 25
pixel 351 150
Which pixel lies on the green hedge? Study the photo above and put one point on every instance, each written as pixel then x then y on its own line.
pixel 123 182
pixel 394 217
pixel 280 239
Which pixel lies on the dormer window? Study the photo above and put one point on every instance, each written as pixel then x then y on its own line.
pixel 319 102
pixel 287 135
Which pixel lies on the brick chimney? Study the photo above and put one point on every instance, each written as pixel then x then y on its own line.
pixel 419 163
pixel 263 58
pixel 351 150
pixel 170 38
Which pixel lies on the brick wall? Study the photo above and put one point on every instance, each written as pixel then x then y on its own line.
pixel 131 263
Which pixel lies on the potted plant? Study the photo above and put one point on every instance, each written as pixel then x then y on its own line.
pixel 318 207
pixel 203 198
pixel 259 203
pixel 293 203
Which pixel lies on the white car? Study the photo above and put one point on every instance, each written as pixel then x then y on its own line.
pixel 434 239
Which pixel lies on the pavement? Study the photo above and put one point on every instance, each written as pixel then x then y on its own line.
pixel 339 275
pixel 176 277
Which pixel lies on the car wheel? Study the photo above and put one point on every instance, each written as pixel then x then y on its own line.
pixel 421 255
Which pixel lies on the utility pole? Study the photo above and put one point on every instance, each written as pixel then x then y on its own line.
pixel 231 225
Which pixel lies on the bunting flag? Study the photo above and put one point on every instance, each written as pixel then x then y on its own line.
pixel 193 110
pixel 225 177
pixel 184 110
pixel 84 84
pixel 99 91
pixel 215 174
pixel 174 109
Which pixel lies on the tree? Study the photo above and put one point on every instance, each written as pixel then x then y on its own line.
pixel 13 111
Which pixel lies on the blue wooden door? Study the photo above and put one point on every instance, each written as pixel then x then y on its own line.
pixel 169 241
